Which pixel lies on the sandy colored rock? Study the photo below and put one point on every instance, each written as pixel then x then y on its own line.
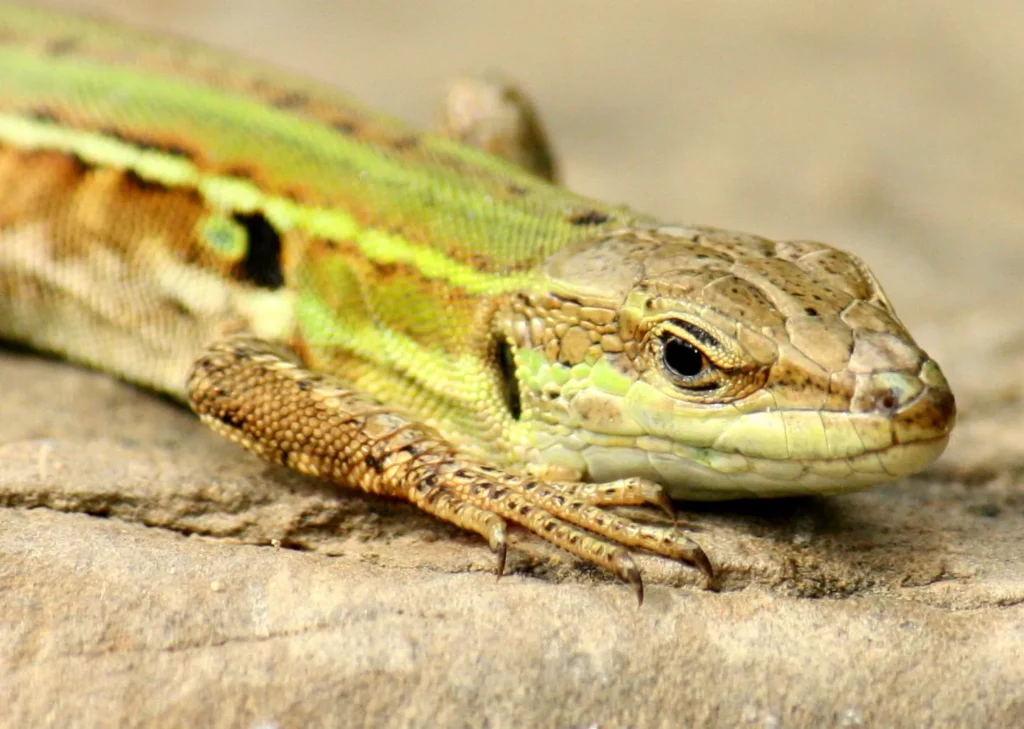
pixel 139 581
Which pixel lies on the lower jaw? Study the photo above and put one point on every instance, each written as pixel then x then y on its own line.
pixel 703 475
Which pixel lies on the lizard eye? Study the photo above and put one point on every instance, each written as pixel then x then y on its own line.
pixel 699 365
pixel 683 348
pixel 681 358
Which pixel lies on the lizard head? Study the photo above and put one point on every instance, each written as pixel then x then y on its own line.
pixel 721 365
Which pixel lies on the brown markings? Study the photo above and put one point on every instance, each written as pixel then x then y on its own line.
pixel 348 127
pixel 289 100
pixel 124 211
pixel 325 108
pixel 731 247
pixel 37 185
pixel 324 249
pixel 378 274
pixel 88 206
pixel 133 179
pixel 178 147
pixel 259 85
pixel 165 145
pixel 372 134
pixel 44 114
pixel 387 272
pixel 62 46
pixel 791 377
pixel 405 143
pixel 589 217
pixel 87 209
pixel 249 174
pixel 478 261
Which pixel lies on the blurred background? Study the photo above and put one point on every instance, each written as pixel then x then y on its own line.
pixel 893 130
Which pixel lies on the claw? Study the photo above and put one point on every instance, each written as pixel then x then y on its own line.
pixel 628 571
pixel 502 551
pixel 665 502
pixel 656 495
pixel 700 560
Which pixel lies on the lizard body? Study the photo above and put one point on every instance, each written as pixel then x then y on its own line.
pixel 412 316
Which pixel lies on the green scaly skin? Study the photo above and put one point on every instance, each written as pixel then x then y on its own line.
pixel 159 198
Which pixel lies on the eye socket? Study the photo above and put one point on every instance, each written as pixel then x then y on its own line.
pixel 681 358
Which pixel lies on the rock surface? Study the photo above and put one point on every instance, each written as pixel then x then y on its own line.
pixel 138 581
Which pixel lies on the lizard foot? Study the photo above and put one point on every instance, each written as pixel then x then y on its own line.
pixel 246 390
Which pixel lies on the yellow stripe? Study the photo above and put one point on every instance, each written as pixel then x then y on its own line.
pixel 228 194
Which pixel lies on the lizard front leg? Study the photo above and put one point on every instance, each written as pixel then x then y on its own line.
pixel 254 394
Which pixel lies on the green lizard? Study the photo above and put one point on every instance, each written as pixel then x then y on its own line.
pixel 415 317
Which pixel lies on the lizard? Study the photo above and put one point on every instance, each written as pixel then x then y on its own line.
pixel 430 316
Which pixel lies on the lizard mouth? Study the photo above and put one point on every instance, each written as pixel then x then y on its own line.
pixel 782 453
pixel 702 474
pixel 803 452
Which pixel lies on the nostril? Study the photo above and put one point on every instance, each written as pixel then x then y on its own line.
pixel 885 393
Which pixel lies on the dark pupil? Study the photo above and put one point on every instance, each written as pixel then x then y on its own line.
pixel 682 357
